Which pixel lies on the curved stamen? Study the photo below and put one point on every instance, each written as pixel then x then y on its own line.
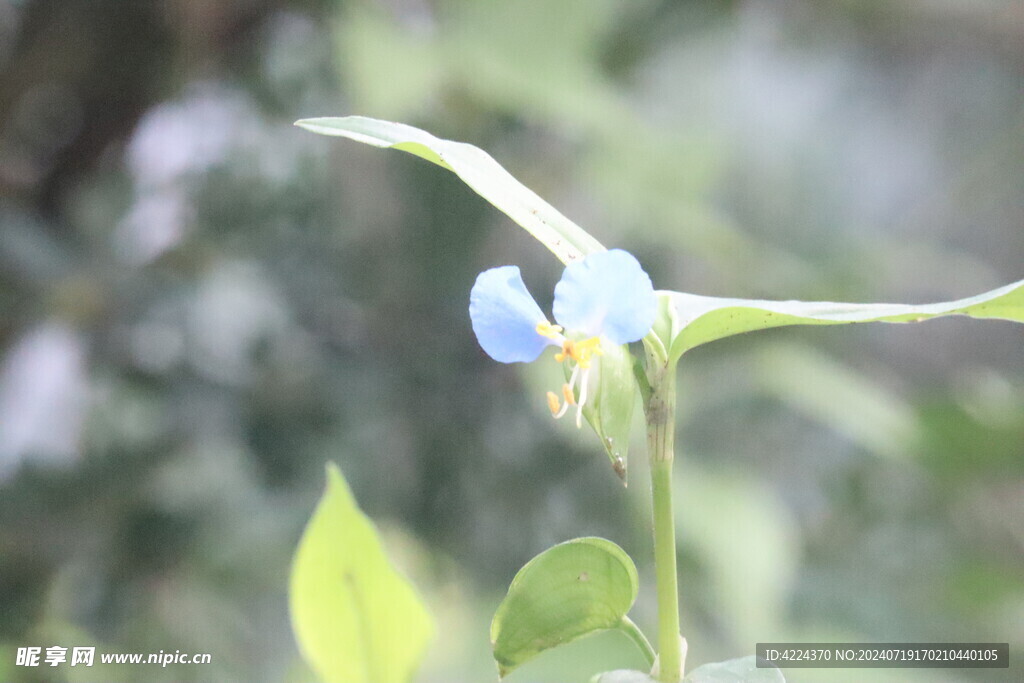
pixel 561 413
pixel 583 398
pixel 582 352
pixel 558 411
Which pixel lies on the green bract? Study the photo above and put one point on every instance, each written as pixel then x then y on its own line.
pixel 610 411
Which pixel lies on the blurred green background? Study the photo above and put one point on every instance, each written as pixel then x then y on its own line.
pixel 200 305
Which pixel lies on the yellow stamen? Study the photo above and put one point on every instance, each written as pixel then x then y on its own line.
pixel 580 351
pixel 568 351
pixel 553 404
pixel 583 397
pixel 546 329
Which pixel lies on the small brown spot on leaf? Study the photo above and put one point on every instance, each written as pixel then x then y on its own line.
pixel 620 467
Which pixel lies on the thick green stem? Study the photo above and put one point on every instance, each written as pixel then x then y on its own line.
pixel 660 446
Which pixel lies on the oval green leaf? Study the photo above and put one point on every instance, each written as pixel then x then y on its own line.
pixel 703 319
pixel 743 670
pixel 356 619
pixel 476 168
pixel 569 591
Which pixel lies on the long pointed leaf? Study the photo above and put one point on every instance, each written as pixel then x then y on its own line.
pixel 703 319
pixel 476 168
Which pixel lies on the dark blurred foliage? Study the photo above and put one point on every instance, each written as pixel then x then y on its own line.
pixel 201 305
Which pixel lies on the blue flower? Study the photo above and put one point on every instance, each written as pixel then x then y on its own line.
pixel 605 297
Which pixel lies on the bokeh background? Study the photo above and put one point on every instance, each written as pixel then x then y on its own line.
pixel 200 305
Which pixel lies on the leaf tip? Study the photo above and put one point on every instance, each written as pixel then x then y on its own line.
pixel 306 124
pixel 333 471
pixel 619 467
pixel 337 486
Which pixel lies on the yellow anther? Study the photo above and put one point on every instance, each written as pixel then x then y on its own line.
pixel 581 351
pixel 546 329
pixel 568 351
pixel 553 404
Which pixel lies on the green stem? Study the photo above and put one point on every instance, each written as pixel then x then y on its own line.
pixel 639 639
pixel 660 447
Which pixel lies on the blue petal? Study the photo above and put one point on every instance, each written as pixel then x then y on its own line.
pixel 505 316
pixel 606 293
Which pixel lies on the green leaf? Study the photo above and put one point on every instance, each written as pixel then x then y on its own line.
pixel 742 670
pixel 623 676
pixel 476 168
pixel 355 618
pixel 704 319
pixel 571 590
